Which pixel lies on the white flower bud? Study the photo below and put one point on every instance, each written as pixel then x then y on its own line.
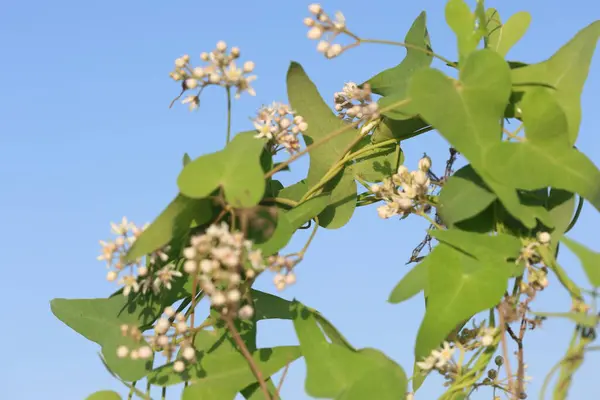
pixel 145 352
pixel 189 252
pixel 402 170
pixel 111 276
pixel 221 46
pixel 235 52
pixel 169 311
pixel 218 299
pixel 122 351
pixel 142 271
pixel 323 46
pixel 404 203
pixel 248 66
pixel 190 266
pixel 290 278
pixel 246 312
pixel 180 62
pixel 178 366
pixel 315 33
pixel 162 341
pixel 124 329
pixel 420 178
pixel 487 340
pixel 315 8
pixel 285 123
pixel 425 164
pixel 375 188
pixel 280 286
pixel 134 355
pixel 543 237
pixel 334 50
pixel 191 83
pixel 303 126
pixel 234 296
pixel 188 353
pixel 309 22
pixel 199 72
pixel 204 56
pixel 162 326
pixel 181 327
pixel 214 78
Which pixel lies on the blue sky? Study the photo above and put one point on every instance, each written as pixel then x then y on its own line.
pixel 86 137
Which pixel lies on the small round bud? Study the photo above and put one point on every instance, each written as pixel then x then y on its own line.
pixel 111 276
pixel 191 83
pixel 290 278
pixel 420 178
pixel 402 170
pixel 218 299
pixel 145 352
pixel 323 46
pixel 499 360
pixel 142 271
pixel 248 66
pixel 334 51
pixel 181 326
pixel 404 203
pixel 246 312
pixel 492 374
pixel 303 126
pixel 188 353
pixel 162 341
pixel 214 78
pixel 169 312
pixel 315 8
pixel 134 355
pixel 162 326
pixel 235 52
pixel 124 329
pixel 315 33
pixel 190 266
pixel 122 351
pixel 309 22
pixel 178 366
pixel 233 296
pixel 180 62
pixel 425 163
pixel 375 188
pixel 544 238
pixel 221 46
pixel 204 56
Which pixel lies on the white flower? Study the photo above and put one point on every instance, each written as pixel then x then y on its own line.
pixel 387 211
pixel 169 311
pixel 218 299
pixel 334 50
pixel 164 276
pixel 131 284
pixel 290 278
pixel 221 46
pixel 145 352
pixel 234 296
pixel 248 66
pixel 193 101
pixel 427 364
pixel 315 32
pixel 162 326
pixel 443 356
pixel 111 276
pixel 315 8
pixel 190 266
pixel 188 353
pixel 420 178
pixel 191 83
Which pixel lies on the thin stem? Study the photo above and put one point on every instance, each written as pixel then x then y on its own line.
pixel 228 114
pixel 283 376
pixel 431 221
pixel 246 353
pixel 408 46
pixel 310 239
pixel 505 348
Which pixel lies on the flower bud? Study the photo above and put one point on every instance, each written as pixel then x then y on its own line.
pixel 425 163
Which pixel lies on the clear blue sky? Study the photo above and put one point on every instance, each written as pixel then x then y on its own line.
pixel 86 137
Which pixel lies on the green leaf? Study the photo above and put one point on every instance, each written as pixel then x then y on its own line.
pixel 587 320
pixel 236 169
pixel 376 164
pixel 223 376
pixel 412 283
pixel 458 287
pixel 278 238
pixel 486 248
pixel 173 222
pixel 399 129
pixel 467 114
pixel 463 196
pixel 395 80
pixel 99 320
pixel 566 71
pixel 503 37
pixel 342 202
pixel 338 372
pixel 565 169
pixel 104 395
pixel 294 192
pixel 561 206
pixel 462 22
pixel 186 159
pixel 307 210
pixel 306 101
pixel 544 119
pixel 590 260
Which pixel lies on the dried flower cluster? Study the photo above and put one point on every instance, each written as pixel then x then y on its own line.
pixel 283 268
pixel 153 272
pixel 279 124
pixel 221 70
pixel 221 260
pixel 326 30
pixel 354 102
pixel 404 190
pixel 537 272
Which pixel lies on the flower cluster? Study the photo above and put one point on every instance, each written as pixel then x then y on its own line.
pixel 143 352
pixel 323 28
pixel 221 260
pixel 279 124
pixel 221 70
pixel 487 336
pixel 403 191
pixel 354 102
pixel 284 270
pixel 537 272
pixel 152 275
pixel 438 359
